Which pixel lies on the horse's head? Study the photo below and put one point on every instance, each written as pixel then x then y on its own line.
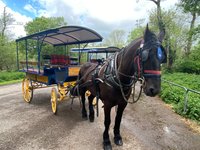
pixel 152 56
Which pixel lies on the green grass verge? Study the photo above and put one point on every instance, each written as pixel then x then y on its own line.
pixel 10 77
pixel 11 82
pixel 175 95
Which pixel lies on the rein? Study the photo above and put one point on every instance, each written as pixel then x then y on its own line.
pixel 133 78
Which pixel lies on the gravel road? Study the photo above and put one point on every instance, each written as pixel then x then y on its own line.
pixel 148 124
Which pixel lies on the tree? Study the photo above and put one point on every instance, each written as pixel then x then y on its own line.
pixel 176 30
pixel 40 24
pixel 136 33
pixel 116 38
pixel 192 7
pixel 43 23
pixel 7 57
pixel 161 24
pixel 5 20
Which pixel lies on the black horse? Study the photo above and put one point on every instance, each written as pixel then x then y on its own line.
pixel 112 81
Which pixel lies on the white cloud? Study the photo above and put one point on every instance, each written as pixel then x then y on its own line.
pixel 100 15
pixel 30 8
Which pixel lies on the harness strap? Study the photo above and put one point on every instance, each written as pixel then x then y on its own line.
pixel 137 62
pixel 152 72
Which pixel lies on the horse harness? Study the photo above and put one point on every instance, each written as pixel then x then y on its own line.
pixel 111 78
pixel 111 72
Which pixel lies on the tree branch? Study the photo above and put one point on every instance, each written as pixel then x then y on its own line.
pixel 154 1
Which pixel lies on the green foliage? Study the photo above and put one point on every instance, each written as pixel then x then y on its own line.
pixel 136 33
pixel 175 95
pixel 8 54
pixel 196 33
pixel 169 96
pixel 190 6
pixel 176 31
pixel 37 25
pixel 193 108
pixel 43 23
pixel 9 76
pixel 7 47
pixel 190 64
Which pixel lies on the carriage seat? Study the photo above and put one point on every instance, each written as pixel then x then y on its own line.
pixel 59 60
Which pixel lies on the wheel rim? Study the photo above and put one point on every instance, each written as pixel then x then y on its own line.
pixel 27 90
pixel 54 100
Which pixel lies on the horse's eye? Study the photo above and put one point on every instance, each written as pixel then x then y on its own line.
pixel 160 54
pixel 145 55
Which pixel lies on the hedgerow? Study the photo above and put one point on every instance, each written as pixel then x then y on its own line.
pixel 10 76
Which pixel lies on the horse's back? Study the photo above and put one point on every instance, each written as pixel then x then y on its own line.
pixel 87 68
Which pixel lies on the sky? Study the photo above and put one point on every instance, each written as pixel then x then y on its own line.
pixel 103 16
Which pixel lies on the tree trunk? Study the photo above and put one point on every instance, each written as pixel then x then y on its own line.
pixel 161 24
pixel 4 23
pixel 189 41
pixel 159 16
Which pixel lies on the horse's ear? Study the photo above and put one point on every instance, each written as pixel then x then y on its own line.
pixel 161 35
pixel 146 31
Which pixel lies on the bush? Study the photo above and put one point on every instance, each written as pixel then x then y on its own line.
pixel 189 66
pixel 10 76
pixel 171 95
pixel 193 108
pixel 175 95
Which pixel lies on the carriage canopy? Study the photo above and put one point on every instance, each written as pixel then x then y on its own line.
pixel 65 35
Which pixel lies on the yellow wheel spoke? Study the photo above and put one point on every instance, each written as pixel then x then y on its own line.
pixel 54 100
pixel 27 90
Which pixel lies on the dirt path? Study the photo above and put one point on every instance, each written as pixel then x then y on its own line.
pixel 148 124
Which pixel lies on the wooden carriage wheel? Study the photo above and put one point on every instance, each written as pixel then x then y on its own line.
pixel 27 90
pixel 54 100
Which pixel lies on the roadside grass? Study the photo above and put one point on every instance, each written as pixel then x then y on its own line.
pixel 10 77
pixel 175 96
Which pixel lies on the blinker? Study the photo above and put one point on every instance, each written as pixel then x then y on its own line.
pixel 145 55
pixel 160 54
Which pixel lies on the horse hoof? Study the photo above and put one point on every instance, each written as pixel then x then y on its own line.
pixel 118 140
pixel 107 146
pixel 91 119
pixel 84 117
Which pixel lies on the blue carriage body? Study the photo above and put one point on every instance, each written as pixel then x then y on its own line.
pixel 60 68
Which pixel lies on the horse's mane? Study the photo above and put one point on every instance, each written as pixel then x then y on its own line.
pixel 134 42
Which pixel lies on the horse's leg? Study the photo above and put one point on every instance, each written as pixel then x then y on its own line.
pixel 84 112
pixel 106 139
pixel 91 108
pixel 117 136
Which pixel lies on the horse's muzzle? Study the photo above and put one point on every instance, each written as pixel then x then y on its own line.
pixel 151 91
